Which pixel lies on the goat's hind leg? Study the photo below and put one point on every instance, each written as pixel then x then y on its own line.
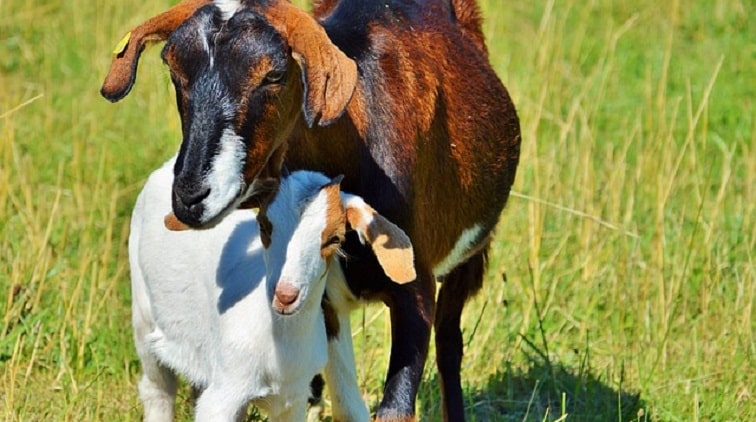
pixel 456 288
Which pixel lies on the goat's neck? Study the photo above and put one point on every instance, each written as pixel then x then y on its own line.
pixel 332 150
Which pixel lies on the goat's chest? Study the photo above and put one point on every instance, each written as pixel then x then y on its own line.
pixel 274 350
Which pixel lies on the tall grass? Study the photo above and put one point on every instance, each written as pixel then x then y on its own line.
pixel 621 284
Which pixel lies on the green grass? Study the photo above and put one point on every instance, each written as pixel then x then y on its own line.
pixel 621 284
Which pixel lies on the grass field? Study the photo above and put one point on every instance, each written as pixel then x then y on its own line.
pixel 621 284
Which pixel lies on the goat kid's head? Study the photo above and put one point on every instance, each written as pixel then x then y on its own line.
pixel 302 229
pixel 237 78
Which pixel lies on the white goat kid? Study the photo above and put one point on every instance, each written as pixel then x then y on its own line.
pixel 237 309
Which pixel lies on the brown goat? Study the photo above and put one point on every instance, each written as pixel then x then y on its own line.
pixel 428 135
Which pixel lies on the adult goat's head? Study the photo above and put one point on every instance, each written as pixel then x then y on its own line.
pixel 241 78
pixel 237 93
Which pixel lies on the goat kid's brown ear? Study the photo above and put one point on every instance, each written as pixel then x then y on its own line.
pixel 329 76
pixel 122 74
pixel 390 244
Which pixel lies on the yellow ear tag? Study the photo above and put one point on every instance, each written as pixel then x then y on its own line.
pixel 121 46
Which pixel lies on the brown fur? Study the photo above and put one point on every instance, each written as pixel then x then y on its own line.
pixel 122 72
pixel 467 13
pixel 335 228
pixel 323 8
pixel 331 75
pixel 410 95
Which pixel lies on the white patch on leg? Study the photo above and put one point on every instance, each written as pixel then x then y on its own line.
pixel 225 177
pixel 228 7
pixel 460 252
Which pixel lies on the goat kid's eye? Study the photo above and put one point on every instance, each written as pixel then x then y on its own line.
pixel 266 229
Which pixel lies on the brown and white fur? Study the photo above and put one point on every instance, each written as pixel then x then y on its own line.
pixel 236 309
pixel 397 95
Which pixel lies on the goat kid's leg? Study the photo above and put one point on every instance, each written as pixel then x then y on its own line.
pixel 157 390
pixel 217 403
pixel 411 306
pixel 347 404
pixel 456 288
pixel 294 413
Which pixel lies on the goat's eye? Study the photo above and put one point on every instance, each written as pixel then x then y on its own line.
pixel 274 76
pixel 332 241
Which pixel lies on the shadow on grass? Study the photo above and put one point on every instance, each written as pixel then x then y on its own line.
pixel 542 391
pixel 547 392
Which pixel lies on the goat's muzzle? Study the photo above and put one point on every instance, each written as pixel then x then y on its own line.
pixel 188 205
pixel 285 298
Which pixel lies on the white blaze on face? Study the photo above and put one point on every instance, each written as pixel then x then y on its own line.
pixel 465 243
pixel 294 253
pixel 206 46
pixel 225 176
pixel 227 7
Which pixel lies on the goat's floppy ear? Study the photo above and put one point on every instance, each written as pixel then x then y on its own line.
pixel 123 68
pixel 390 244
pixel 329 76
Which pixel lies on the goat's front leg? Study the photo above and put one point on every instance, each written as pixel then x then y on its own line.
pixel 157 390
pixel 218 403
pixel 411 306
pixel 157 387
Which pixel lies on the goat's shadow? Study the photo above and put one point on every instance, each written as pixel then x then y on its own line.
pixel 241 255
pixel 541 391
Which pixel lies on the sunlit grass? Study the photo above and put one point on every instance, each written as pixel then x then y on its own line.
pixel 621 283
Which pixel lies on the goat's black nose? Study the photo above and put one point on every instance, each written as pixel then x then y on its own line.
pixel 190 197
pixel 187 201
